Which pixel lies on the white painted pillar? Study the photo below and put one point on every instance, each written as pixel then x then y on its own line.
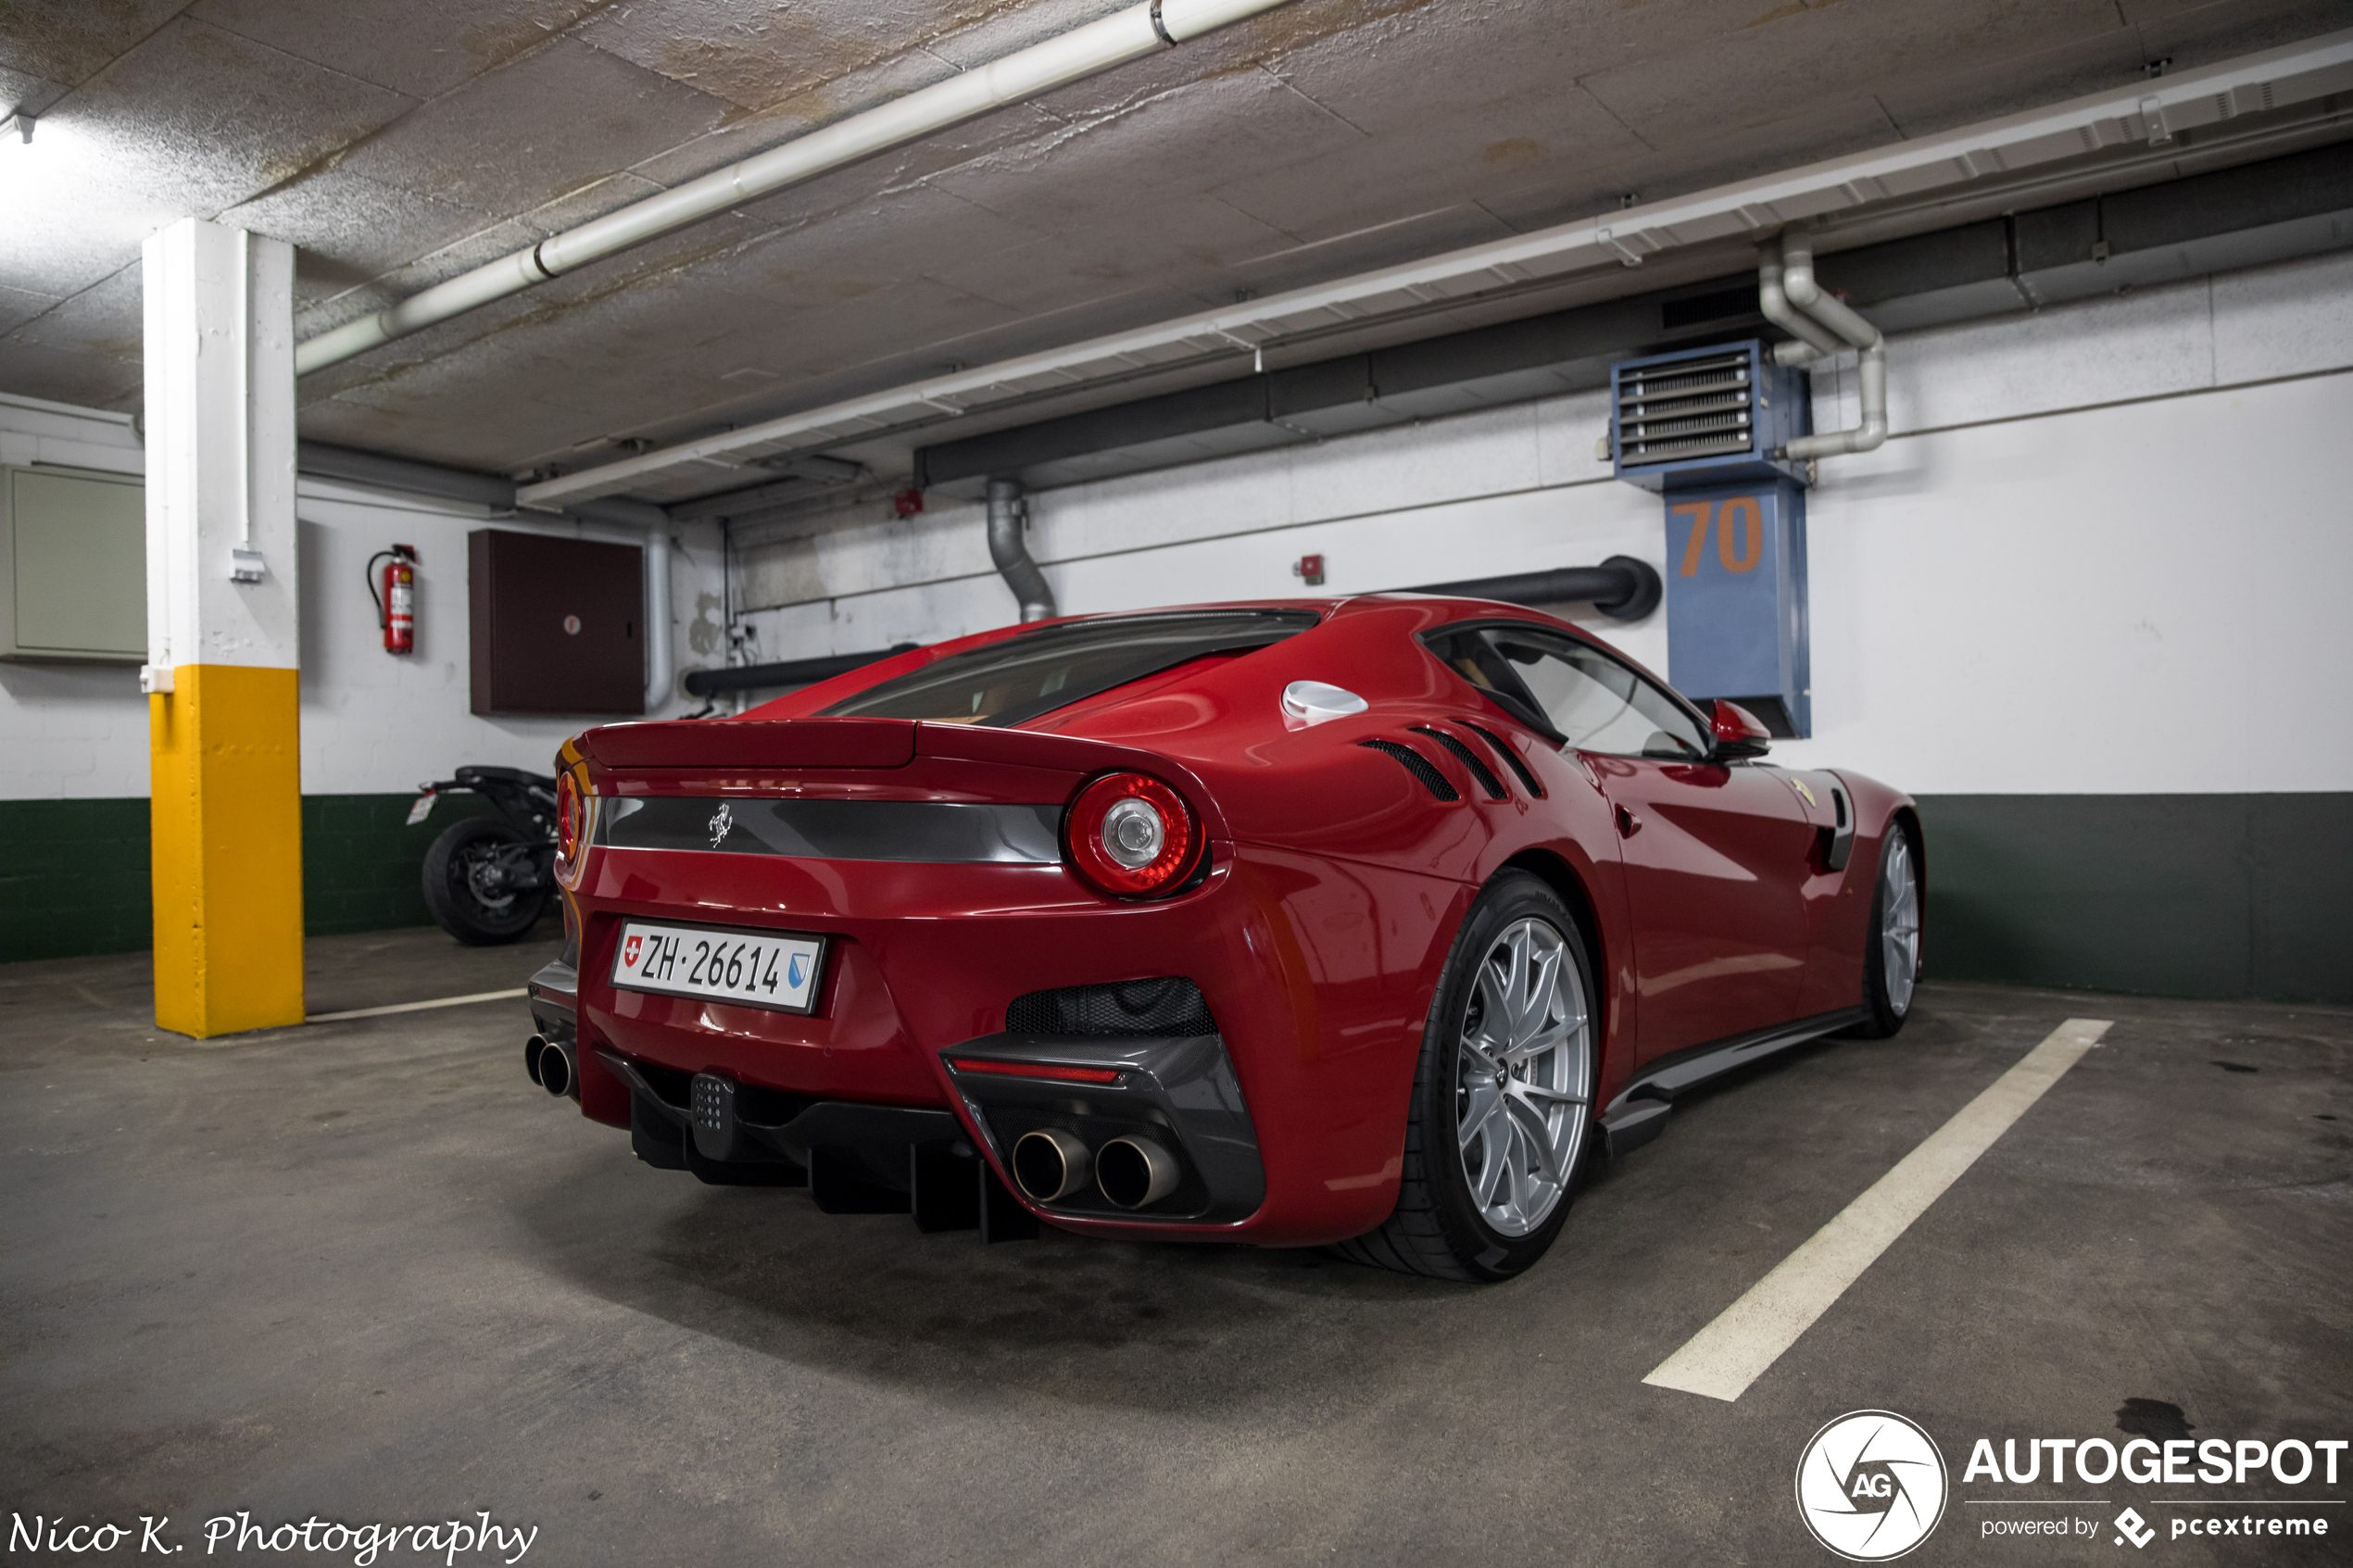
pixel 223 610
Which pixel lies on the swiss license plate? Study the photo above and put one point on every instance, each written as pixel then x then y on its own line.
pixel 749 967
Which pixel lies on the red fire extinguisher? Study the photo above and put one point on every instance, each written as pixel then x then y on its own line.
pixel 396 605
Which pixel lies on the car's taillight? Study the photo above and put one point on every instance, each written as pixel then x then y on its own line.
pixel 1133 836
pixel 568 816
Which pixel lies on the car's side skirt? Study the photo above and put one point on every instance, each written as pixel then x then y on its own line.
pixel 1638 1113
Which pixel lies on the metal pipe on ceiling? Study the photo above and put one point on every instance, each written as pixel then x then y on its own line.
pixel 1008 520
pixel 1083 51
pixel 380 471
pixel 1810 338
pixel 2032 149
pixel 1803 292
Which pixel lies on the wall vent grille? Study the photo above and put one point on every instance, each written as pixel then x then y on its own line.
pixel 1690 409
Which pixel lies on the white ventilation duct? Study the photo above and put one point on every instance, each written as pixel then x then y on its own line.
pixel 1824 324
pixel 1074 56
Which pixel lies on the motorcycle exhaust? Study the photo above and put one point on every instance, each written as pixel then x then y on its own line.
pixel 1049 1164
pixel 1133 1173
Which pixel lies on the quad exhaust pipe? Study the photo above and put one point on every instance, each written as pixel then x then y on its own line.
pixel 1134 1172
pixel 1051 1164
pixel 549 1066
pixel 1130 1171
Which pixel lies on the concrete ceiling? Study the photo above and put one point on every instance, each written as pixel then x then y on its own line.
pixel 399 143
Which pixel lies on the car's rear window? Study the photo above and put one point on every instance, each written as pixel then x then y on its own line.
pixel 1035 673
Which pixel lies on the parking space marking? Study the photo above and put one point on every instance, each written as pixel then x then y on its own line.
pixel 417 1007
pixel 1748 1337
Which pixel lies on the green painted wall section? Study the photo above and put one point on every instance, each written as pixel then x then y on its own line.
pixel 360 861
pixel 73 878
pixel 73 873
pixel 2165 895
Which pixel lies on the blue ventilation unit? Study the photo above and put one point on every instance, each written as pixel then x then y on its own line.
pixel 1703 427
pixel 1706 416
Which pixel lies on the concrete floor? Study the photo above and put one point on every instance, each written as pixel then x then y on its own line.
pixel 366 1271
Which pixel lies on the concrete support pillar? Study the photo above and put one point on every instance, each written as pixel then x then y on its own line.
pixel 222 616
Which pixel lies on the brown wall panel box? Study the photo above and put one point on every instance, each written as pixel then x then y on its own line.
pixel 557 625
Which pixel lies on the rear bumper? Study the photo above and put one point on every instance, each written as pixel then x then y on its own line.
pixel 1290 1121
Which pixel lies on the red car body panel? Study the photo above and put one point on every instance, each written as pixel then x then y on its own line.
pixel 1336 884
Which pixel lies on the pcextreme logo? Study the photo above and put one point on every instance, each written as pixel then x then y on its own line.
pixel 1871 1485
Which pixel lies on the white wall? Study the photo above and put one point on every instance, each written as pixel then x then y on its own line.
pixel 372 722
pixel 2106 549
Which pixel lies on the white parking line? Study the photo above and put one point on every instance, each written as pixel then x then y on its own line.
pixel 1723 1358
pixel 417 1007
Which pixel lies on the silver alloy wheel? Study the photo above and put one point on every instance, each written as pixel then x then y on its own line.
pixel 1522 1077
pixel 1899 934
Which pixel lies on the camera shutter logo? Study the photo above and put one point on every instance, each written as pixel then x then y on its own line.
pixel 1871 1485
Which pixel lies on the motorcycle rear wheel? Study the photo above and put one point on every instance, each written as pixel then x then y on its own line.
pixel 462 891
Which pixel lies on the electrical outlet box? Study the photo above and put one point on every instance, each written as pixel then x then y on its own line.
pixel 557 625
pixel 73 566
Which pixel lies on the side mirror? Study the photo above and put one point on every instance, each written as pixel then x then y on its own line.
pixel 1736 733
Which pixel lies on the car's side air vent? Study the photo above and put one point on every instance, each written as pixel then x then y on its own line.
pixel 1511 759
pixel 1469 758
pixel 1417 764
pixel 1169 1006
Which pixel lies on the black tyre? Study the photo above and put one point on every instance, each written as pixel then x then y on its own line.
pixel 467 882
pixel 1891 959
pixel 1501 1117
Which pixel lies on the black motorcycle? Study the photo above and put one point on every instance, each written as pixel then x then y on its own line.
pixel 487 878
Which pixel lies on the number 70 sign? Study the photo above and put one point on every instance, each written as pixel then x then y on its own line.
pixel 1740 531
pixel 1736 599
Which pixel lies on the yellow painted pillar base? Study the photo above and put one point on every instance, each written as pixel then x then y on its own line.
pixel 227 818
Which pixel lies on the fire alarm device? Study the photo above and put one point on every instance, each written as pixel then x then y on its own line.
pixel 397 605
pixel 1309 570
